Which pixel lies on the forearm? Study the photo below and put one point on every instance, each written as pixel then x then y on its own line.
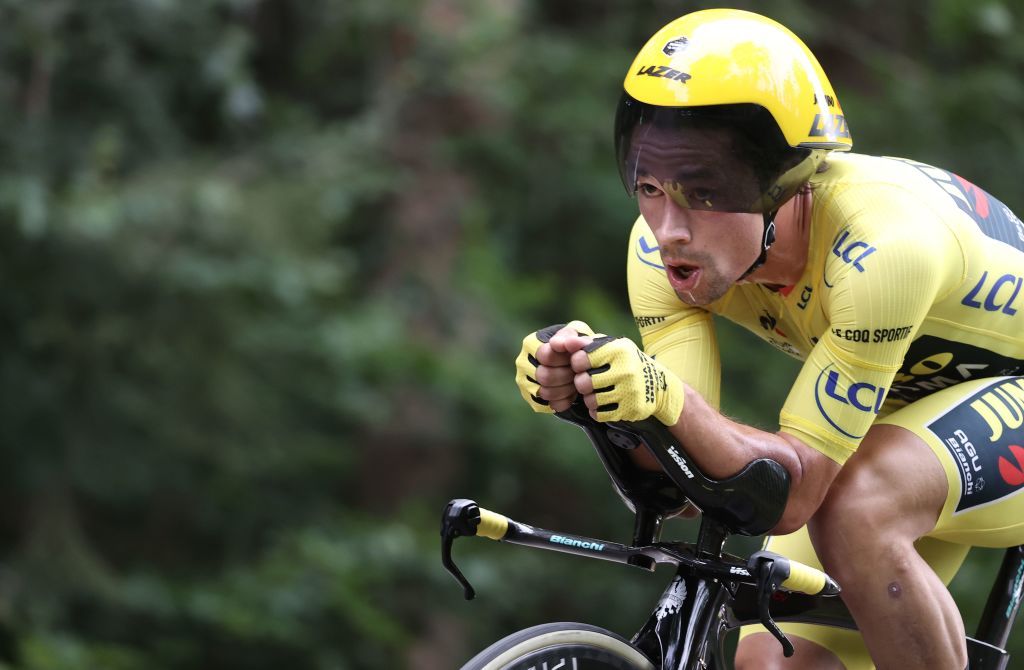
pixel 620 383
pixel 722 447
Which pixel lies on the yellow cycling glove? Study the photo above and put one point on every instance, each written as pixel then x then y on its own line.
pixel 629 385
pixel 526 362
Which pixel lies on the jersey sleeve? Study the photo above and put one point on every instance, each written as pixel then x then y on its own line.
pixel 885 267
pixel 680 337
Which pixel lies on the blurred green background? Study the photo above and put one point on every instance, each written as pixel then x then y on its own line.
pixel 266 265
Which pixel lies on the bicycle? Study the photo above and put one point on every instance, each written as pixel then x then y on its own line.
pixel 711 592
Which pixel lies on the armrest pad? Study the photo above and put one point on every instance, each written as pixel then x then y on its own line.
pixel 750 502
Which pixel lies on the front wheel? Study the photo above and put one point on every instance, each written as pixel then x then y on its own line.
pixel 560 646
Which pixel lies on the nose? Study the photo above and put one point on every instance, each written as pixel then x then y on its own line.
pixel 673 224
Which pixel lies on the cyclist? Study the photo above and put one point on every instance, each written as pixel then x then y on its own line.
pixel 898 284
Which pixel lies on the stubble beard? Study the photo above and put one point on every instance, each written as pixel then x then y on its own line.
pixel 709 290
pixel 713 284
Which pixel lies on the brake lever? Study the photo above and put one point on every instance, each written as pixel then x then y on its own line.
pixel 770 576
pixel 460 518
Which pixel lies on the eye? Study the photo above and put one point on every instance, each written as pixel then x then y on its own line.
pixel 648 189
pixel 702 197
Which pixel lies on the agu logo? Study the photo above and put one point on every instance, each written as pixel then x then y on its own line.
pixel 1013 473
pixel 983 434
pixel 836 397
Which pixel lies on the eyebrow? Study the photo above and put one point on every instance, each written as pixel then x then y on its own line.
pixel 700 172
pixel 681 174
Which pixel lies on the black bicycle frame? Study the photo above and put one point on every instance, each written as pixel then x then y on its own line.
pixel 989 641
pixel 729 503
pixel 711 592
pixel 701 611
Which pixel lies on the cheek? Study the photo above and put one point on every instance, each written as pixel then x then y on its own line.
pixel 744 230
pixel 731 239
pixel 658 220
pixel 648 210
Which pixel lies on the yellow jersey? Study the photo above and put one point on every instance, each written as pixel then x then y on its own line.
pixel 913 283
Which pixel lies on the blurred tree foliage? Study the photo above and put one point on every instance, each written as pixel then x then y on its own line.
pixel 266 264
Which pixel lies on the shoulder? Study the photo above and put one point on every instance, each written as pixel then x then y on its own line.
pixel 885 218
pixel 898 196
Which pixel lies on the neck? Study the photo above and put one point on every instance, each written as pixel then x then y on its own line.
pixel 788 256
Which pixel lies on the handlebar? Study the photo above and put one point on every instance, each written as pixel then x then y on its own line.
pixel 465 518
pixel 492 525
pixel 795 576
pixel 774 571
pixel 751 502
pixel 805 579
pixel 766 571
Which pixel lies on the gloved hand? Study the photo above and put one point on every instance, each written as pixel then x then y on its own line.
pixel 558 373
pixel 627 384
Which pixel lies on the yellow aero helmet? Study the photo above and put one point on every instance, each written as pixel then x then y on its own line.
pixel 729 56
pixel 742 74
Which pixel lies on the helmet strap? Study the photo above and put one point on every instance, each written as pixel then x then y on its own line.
pixel 766 242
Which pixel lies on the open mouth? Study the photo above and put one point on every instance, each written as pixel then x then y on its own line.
pixel 682 271
pixel 683 276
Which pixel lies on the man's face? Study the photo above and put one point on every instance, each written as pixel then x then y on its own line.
pixel 681 179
